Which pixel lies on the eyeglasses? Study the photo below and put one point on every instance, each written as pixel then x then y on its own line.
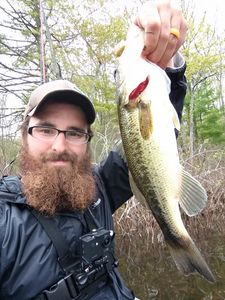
pixel 49 134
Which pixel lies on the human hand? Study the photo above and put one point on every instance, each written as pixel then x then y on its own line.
pixel 157 19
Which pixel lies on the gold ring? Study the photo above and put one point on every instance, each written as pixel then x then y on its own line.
pixel 175 32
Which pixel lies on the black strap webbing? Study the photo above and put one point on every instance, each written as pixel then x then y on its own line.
pixel 90 219
pixel 56 236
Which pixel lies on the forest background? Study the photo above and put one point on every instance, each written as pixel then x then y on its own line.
pixel 74 40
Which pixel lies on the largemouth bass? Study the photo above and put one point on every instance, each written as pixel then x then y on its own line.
pixel 147 120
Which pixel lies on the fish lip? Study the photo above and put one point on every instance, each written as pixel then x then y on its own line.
pixel 133 103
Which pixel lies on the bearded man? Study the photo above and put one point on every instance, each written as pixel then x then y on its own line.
pixel 55 176
pixel 56 222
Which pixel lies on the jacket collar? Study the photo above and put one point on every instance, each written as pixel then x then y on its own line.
pixel 10 190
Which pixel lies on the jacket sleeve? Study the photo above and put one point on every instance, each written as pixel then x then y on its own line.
pixel 114 173
pixel 2 235
pixel 178 84
pixel 113 170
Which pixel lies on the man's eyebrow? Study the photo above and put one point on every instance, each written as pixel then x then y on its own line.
pixel 48 124
pixel 76 128
pixel 44 123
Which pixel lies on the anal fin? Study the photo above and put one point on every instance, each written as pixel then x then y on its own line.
pixel 193 196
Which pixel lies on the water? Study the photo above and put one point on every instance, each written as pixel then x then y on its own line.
pixel 152 274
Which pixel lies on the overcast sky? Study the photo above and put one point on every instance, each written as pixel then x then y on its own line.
pixel 215 11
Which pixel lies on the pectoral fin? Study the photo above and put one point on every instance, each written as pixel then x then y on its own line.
pixel 193 196
pixel 145 119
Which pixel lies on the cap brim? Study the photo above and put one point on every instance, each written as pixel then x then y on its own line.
pixel 72 96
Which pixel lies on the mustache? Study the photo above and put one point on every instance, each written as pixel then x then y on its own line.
pixel 64 156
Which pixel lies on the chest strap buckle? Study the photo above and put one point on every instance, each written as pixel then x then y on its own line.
pixel 64 289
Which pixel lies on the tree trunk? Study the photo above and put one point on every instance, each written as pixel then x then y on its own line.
pixel 191 132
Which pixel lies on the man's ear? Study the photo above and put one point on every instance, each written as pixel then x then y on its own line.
pixel 23 130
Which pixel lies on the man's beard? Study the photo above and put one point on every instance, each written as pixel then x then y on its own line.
pixel 53 189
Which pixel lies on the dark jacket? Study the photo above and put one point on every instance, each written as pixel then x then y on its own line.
pixel 28 259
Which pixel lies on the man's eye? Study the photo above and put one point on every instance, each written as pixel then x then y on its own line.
pixel 75 134
pixel 46 131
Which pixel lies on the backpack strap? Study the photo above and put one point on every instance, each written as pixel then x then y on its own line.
pixel 90 219
pixel 57 238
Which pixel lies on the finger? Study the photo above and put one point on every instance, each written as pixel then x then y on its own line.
pixel 152 33
pixel 183 32
pixel 165 16
pixel 168 54
pixel 173 41
pixel 149 21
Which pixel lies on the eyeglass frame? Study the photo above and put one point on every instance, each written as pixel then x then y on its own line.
pixel 88 135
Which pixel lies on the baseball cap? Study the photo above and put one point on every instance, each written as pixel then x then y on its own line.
pixel 59 90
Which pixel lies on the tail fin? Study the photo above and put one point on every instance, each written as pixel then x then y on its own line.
pixel 189 260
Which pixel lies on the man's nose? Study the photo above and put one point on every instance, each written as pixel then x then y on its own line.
pixel 59 144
